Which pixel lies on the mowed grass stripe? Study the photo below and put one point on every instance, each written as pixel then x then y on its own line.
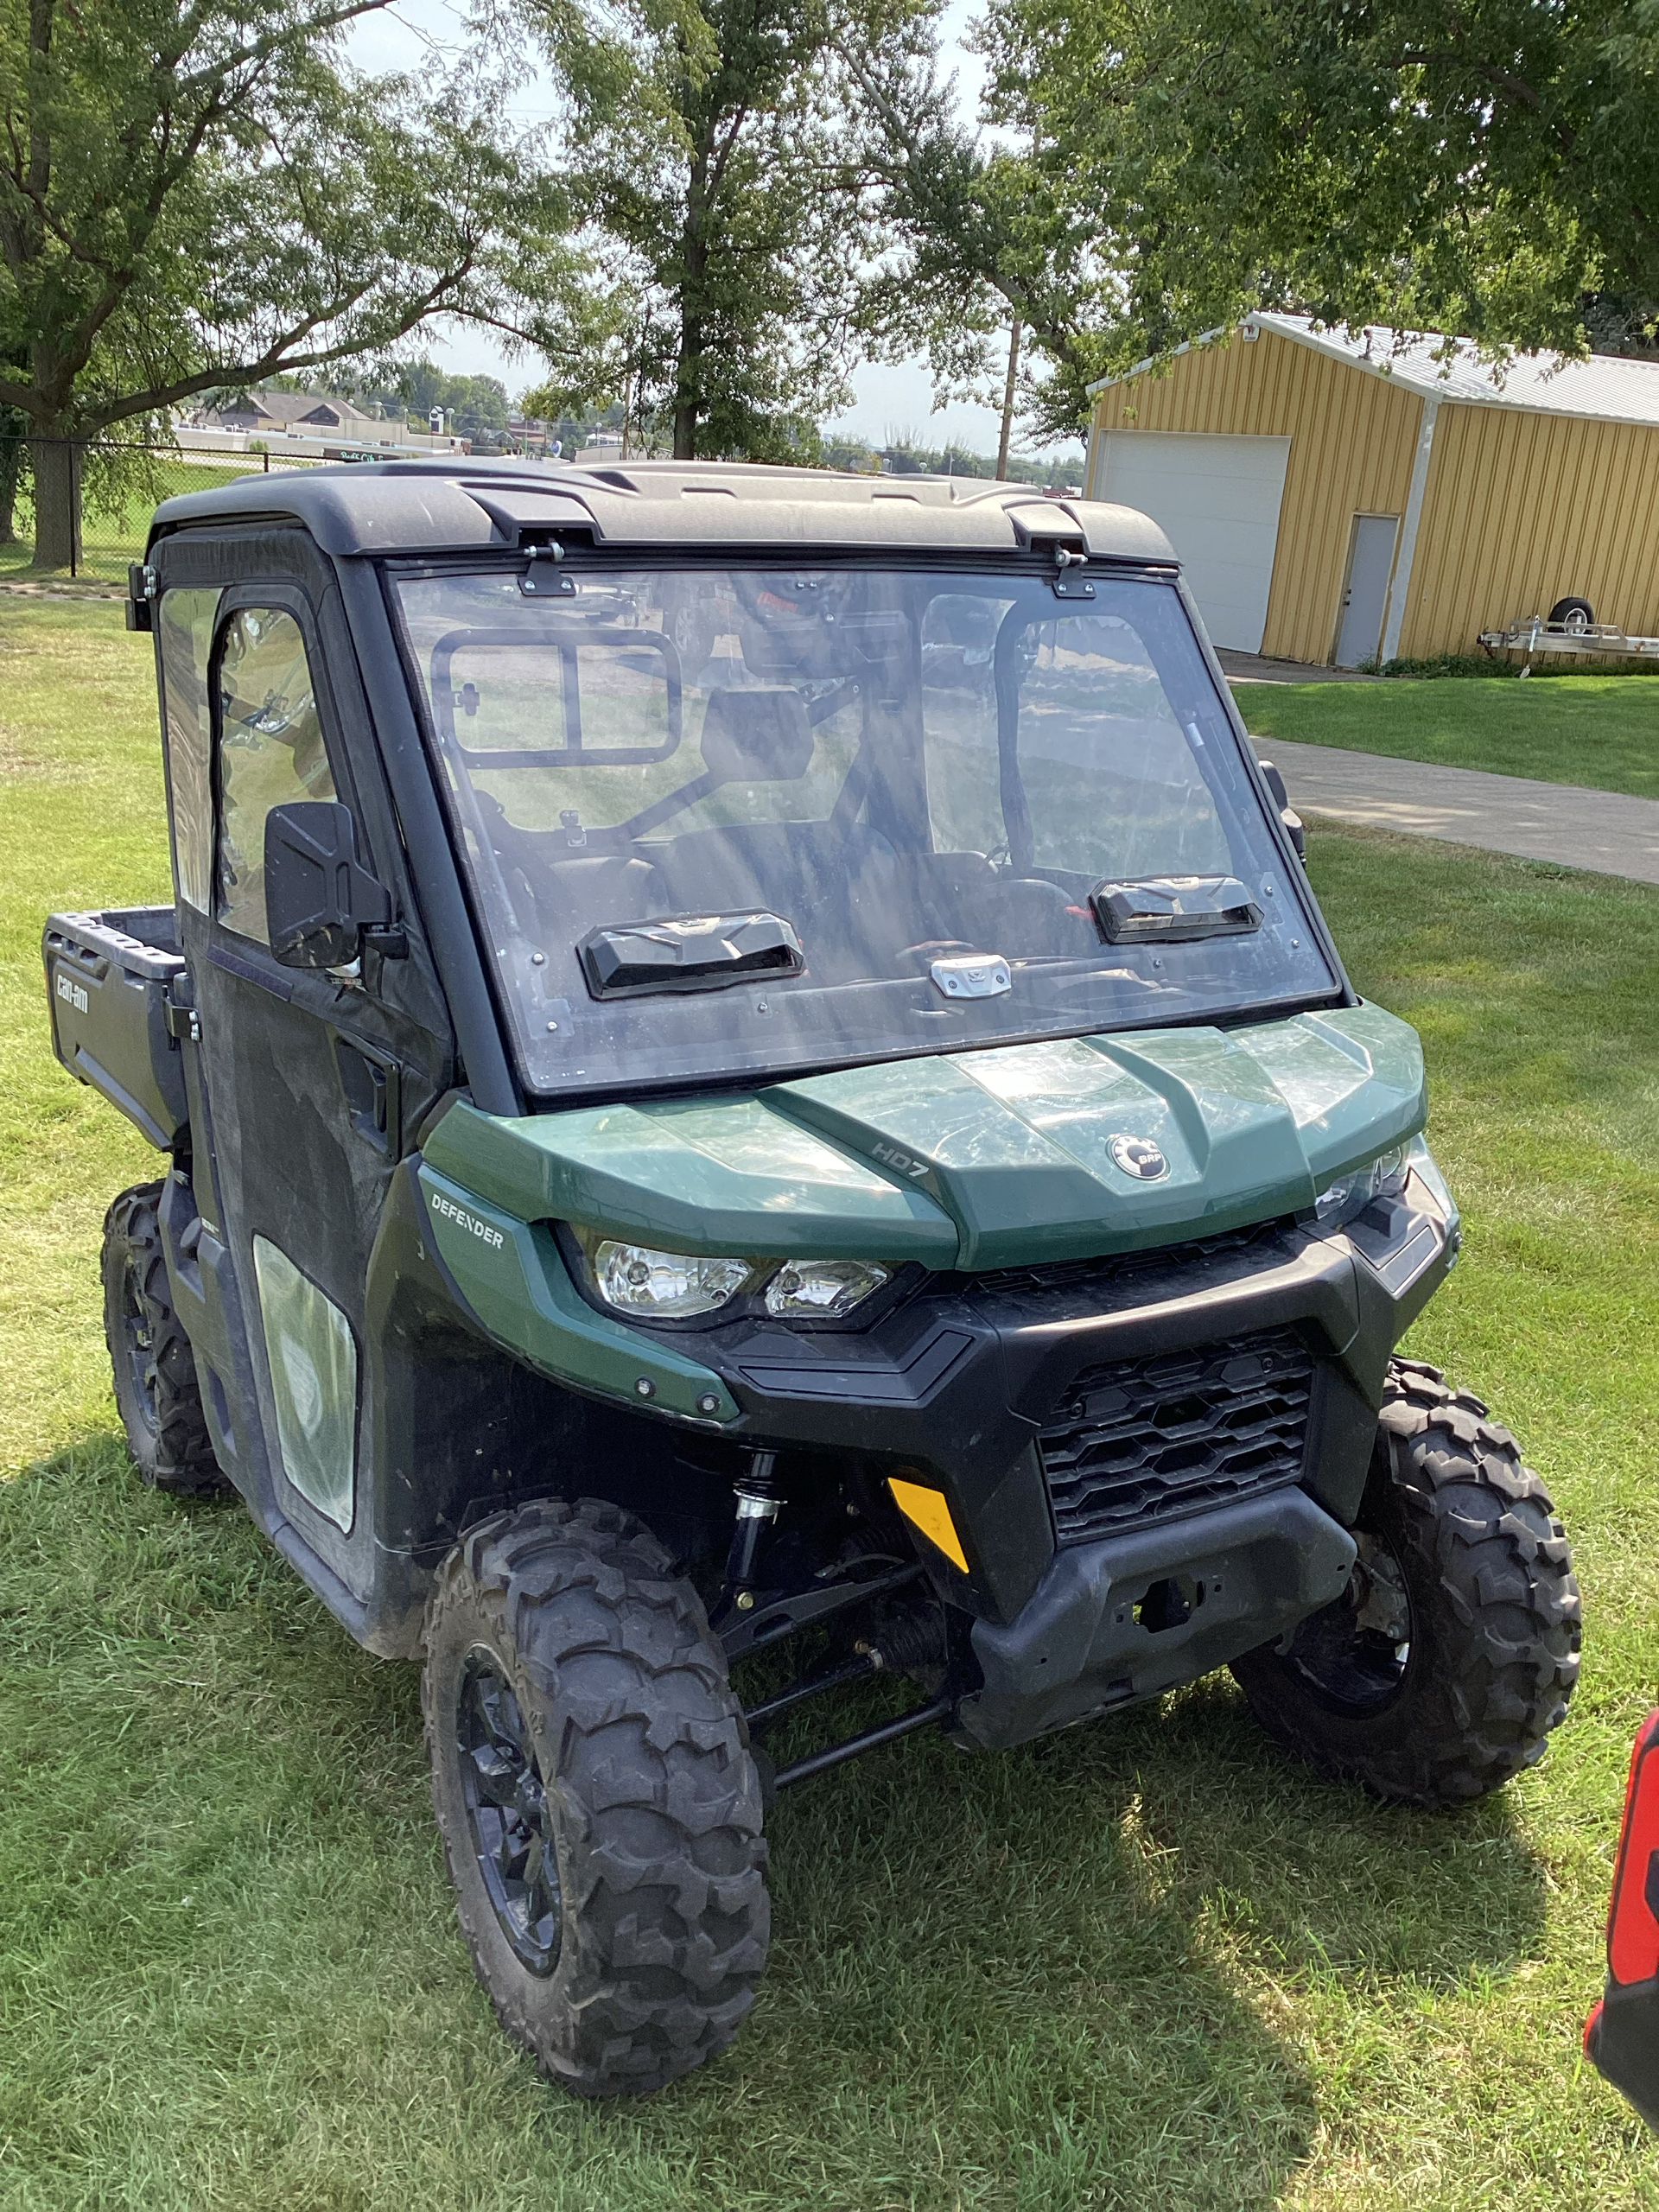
pixel 1147 1963
pixel 1599 731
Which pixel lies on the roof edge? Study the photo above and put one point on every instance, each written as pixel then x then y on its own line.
pixel 1384 368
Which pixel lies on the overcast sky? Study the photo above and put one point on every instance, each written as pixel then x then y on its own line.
pixel 889 398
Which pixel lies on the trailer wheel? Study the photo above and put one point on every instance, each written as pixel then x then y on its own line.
pixel 599 1808
pixel 1441 1670
pixel 1574 614
pixel 157 1392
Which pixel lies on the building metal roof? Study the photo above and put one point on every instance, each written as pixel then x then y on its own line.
pixel 292 407
pixel 1602 387
pixel 456 503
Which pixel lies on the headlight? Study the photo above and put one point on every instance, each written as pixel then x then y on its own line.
pixel 1421 1161
pixel 823 1290
pixel 1385 1178
pixel 668 1286
pixel 1351 1194
pixel 658 1286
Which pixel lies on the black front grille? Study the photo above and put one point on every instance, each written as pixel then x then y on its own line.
pixel 1141 1441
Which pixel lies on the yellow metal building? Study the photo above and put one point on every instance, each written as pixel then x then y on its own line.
pixel 1335 498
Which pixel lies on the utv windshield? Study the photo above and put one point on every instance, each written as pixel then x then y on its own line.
pixel 744 822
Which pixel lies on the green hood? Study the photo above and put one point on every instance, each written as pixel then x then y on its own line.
pixel 974 1159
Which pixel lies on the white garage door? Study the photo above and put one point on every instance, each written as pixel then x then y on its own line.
pixel 1217 500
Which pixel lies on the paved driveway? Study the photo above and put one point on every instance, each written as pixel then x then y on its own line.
pixel 1602 831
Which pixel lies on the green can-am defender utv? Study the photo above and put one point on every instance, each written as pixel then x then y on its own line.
pixel 749 1067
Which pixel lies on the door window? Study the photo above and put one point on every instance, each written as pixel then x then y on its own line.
pixel 271 751
pixel 313 1381
pixel 186 631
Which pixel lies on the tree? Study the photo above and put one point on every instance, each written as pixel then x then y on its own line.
pixel 196 193
pixel 718 144
pixel 1491 169
pixel 989 237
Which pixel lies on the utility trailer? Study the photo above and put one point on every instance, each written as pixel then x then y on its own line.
pixel 1587 637
pixel 754 1100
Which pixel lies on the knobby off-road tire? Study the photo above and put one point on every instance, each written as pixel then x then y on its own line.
pixel 157 1392
pixel 599 1808
pixel 1453 1652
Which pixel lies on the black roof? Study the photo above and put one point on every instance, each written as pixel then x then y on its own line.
pixel 456 502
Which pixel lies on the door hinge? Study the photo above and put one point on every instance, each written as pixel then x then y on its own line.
pixel 183 1022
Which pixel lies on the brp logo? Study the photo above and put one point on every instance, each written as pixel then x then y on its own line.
pixel 1139 1157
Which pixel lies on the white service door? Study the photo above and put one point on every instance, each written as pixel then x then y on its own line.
pixel 1217 500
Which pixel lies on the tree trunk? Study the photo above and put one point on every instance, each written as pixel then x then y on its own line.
pixel 56 464
pixel 11 476
pixel 1008 390
pixel 687 389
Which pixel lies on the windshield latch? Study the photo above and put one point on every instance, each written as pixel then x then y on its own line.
pixel 1066 586
pixel 542 577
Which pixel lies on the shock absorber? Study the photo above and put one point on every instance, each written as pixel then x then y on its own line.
pixel 757 1507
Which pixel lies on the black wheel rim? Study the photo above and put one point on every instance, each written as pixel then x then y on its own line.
pixel 138 1340
pixel 507 1814
pixel 1354 1655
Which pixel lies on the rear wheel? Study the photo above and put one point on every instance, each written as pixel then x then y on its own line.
pixel 157 1392
pixel 1441 1670
pixel 599 1808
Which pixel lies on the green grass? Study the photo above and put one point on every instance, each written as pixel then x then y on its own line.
pixel 1602 731
pixel 1148 1964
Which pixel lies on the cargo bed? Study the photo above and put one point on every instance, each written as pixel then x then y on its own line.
pixel 114 982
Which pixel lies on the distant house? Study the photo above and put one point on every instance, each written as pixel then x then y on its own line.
pixel 306 414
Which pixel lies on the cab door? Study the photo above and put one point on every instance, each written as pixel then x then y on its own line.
pixel 309 1084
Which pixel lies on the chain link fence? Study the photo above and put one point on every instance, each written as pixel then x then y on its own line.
pixel 81 507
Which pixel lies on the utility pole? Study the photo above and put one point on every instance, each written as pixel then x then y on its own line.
pixel 1007 400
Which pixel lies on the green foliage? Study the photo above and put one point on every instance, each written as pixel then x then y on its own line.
pixel 1491 170
pixel 211 198
pixel 479 404
pixel 1513 662
pixel 715 144
pixel 1602 731
pixel 1147 1963
pixel 905 455
pixel 195 198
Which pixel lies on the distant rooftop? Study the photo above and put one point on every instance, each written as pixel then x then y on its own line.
pixel 1607 387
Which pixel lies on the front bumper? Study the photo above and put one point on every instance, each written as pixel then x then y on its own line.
pixel 1126 1618
pixel 1238 1373
pixel 961 1386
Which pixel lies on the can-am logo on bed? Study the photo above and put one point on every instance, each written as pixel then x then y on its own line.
pixel 74 992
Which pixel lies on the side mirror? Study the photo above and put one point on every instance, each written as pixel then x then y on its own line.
pixel 1288 814
pixel 318 901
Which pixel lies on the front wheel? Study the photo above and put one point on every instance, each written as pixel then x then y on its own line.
pixel 1442 1669
pixel 599 1808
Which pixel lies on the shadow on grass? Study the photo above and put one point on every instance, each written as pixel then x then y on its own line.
pixel 1054 1978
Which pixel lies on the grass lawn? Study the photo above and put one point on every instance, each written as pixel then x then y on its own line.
pixel 1602 731
pixel 1146 1964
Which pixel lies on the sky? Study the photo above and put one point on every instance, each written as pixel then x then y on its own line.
pixel 890 397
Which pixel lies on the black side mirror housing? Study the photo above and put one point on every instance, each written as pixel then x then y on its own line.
pixel 321 903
